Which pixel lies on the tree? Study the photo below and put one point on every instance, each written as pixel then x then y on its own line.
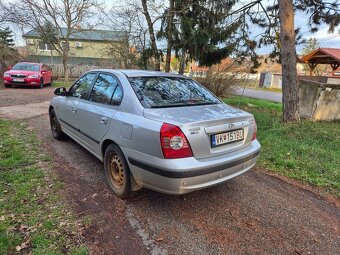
pixel 153 43
pixel 277 22
pixel 204 31
pixel 129 19
pixel 290 98
pixel 170 27
pixel 310 45
pixel 6 37
pixel 55 21
pixel 8 55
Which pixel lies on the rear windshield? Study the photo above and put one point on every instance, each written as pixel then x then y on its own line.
pixel 158 92
pixel 26 67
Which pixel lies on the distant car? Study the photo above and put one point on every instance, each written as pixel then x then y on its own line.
pixel 28 74
pixel 156 130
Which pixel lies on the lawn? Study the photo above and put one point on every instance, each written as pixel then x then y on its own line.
pixel 65 84
pixel 307 151
pixel 33 219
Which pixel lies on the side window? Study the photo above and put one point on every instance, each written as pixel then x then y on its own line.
pixel 117 96
pixel 103 89
pixel 82 87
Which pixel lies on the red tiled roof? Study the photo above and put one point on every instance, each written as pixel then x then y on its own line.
pixel 335 52
pixel 331 52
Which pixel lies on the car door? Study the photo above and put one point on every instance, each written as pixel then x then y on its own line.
pixel 67 110
pixel 95 115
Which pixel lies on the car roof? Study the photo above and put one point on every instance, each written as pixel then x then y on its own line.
pixel 141 73
pixel 29 63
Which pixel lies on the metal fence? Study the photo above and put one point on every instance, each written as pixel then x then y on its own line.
pixel 74 71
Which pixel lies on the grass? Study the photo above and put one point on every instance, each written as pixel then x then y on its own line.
pixel 33 220
pixel 307 151
pixel 65 84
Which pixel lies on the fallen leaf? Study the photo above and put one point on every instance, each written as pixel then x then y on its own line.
pixel 23 227
pixel 22 246
pixel 94 195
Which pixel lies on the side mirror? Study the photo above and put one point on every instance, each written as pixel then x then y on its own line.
pixel 9 68
pixel 60 91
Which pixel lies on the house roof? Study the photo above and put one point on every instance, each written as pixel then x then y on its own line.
pixel 86 34
pixel 323 56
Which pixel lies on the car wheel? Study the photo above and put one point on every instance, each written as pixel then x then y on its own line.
pixel 51 83
pixel 117 171
pixel 55 126
pixel 7 86
pixel 41 84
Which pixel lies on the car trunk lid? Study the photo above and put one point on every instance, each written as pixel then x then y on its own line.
pixel 200 124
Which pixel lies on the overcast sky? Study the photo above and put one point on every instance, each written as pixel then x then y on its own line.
pixel 331 40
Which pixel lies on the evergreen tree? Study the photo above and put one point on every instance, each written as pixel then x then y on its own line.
pixel 204 31
pixel 6 37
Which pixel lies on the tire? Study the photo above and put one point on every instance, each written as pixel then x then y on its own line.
pixel 7 86
pixel 55 126
pixel 51 83
pixel 117 171
pixel 41 84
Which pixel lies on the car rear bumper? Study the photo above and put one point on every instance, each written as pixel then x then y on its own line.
pixel 180 176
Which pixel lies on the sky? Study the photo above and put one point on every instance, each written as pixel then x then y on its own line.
pixel 326 39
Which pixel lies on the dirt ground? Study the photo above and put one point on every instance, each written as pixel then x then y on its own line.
pixel 256 213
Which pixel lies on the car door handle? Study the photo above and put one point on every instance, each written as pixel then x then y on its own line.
pixel 103 120
pixel 74 110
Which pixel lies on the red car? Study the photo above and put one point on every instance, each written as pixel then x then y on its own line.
pixel 28 74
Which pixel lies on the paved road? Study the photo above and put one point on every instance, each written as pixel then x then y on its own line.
pixel 256 213
pixel 260 94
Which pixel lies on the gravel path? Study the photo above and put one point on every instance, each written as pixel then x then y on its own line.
pixel 22 96
pixel 256 213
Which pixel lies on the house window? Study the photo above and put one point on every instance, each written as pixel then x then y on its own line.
pixel 44 46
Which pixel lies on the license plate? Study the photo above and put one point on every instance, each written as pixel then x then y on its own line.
pixel 227 137
pixel 18 79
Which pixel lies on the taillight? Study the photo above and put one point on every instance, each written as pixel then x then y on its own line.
pixel 174 143
pixel 255 131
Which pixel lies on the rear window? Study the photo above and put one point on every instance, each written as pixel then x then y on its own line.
pixel 26 67
pixel 158 92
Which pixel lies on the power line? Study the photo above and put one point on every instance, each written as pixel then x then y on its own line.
pixel 328 39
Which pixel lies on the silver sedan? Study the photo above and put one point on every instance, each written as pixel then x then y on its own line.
pixel 155 130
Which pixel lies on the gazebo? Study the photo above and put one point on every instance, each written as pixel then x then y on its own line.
pixel 330 56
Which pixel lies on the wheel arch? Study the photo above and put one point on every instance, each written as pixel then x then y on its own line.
pixel 134 186
pixel 105 144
